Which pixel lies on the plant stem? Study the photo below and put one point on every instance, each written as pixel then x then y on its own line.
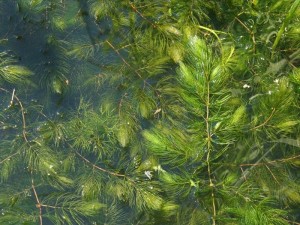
pixel 266 121
pixel 14 96
pixel 211 184
pixel 122 58
pixel 99 168
pixel 38 205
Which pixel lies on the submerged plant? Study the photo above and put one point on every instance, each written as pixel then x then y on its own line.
pixel 134 112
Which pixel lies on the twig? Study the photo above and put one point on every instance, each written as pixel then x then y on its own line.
pixel 211 184
pixel 14 96
pixel 243 173
pixel 127 64
pixel 8 158
pixel 141 15
pixel 53 207
pixel 266 121
pixel 100 168
pixel 271 162
pixel 272 174
pixel 247 172
pixel 23 118
pixel 250 32
pixel 38 205
pixel 122 58
pixel 258 164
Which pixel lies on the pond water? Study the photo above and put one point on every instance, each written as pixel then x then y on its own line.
pixel 159 112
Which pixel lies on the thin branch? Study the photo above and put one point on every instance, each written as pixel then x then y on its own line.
pixel 8 158
pixel 272 174
pixel 23 118
pixel 100 168
pixel 127 64
pixel 250 32
pixel 258 164
pixel 247 199
pixel 243 173
pixel 141 15
pixel 271 162
pixel 14 96
pixel 53 207
pixel 211 184
pixel 122 58
pixel 247 172
pixel 266 121
pixel 38 205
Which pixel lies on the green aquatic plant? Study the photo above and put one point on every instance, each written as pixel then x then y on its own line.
pixel 161 112
pixel 10 72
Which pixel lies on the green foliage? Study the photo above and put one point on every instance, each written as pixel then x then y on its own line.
pixel 69 209
pixel 12 73
pixel 149 112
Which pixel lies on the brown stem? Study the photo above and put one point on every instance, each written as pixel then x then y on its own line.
pixel 99 168
pixel 14 96
pixel 272 174
pixel 250 32
pixel 122 58
pixel 266 121
pixel 271 162
pixel 141 15
pixel 38 205
pixel 8 158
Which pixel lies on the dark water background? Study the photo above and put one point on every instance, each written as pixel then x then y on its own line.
pixel 29 36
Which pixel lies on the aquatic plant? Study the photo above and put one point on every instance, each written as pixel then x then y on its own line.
pixel 159 112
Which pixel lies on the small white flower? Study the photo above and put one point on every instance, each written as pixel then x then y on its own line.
pixel 269 92
pixel 51 166
pixel 276 81
pixel 148 174
pixel 246 86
